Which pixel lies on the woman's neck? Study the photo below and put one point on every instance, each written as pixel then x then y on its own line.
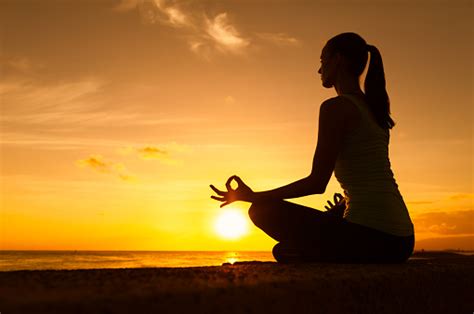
pixel 348 85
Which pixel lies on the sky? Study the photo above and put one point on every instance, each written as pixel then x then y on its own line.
pixel 116 116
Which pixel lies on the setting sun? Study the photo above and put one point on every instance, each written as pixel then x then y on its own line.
pixel 231 224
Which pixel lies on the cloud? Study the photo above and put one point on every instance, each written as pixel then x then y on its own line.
pixel 150 152
pixel 280 39
pixel 33 102
pixel 97 163
pixel 160 11
pixel 200 48
pixel 163 153
pixel 217 34
pixel 14 65
pixel 462 196
pixel 126 5
pixel 420 202
pixel 175 16
pixel 230 100
pixel 67 107
pixel 444 243
pixel 446 223
pixel 205 35
pixel 225 34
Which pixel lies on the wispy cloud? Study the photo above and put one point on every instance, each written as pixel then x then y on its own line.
pixel 446 242
pixel 224 34
pixel 230 100
pixel 175 16
pixel 280 39
pixel 126 5
pixel 151 152
pixel 12 65
pixel 40 102
pixel 68 106
pixel 99 164
pixel 419 202
pixel 462 196
pixel 160 11
pixel 205 35
pixel 165 153
pixel 148 152
pixel 445 223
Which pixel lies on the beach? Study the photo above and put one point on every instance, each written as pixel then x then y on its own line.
pixel 429 282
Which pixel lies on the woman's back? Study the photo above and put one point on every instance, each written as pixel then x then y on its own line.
pixel 364 172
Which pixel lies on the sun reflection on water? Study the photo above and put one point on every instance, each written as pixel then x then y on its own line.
pixel 232 257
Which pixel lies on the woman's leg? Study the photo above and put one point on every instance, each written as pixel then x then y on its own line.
pixel 300 230
pixel 307 234
pixel 285 221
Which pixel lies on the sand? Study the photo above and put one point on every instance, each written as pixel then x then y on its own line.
pixel 426 283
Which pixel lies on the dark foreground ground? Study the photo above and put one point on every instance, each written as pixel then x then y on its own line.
pixel 427 283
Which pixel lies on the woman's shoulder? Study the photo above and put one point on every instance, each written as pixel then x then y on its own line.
pixel 341 105
pixel 341 111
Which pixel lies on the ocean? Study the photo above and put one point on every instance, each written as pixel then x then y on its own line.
pixel 41 260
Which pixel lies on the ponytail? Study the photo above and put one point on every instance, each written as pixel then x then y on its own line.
pixel 375 91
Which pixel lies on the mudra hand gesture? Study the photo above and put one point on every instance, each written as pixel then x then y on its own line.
pixel 241 193
pixel 336 209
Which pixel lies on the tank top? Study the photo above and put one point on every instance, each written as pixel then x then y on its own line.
pixel 364 173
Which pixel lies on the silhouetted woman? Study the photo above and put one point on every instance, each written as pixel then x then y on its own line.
pixel 371 222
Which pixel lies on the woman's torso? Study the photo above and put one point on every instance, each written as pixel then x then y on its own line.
pixel 364 172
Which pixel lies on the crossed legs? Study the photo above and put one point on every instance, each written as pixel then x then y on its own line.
pixel 308 234
pixel 302 231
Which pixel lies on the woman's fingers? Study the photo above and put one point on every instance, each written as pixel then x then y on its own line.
pixel 216 190
pixel 238 179
pixel 224 204
pixel 338 198
pixel 218 198
pixel 227 184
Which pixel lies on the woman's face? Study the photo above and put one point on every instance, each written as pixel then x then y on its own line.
pixel 328 68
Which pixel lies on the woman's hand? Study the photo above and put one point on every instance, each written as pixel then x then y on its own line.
pixel 339 200
pixel 242 193
pixel 337 209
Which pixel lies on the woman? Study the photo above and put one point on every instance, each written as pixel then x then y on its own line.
pixel 371 223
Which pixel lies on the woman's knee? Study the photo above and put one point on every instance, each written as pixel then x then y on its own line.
pixel 281 254
pixel 276 252
pixel 287 253
pixel 256 211
pixel 259 211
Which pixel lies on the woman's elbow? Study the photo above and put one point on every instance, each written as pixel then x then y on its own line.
pixel 317 187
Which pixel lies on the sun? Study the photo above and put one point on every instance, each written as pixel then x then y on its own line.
pixel 231 224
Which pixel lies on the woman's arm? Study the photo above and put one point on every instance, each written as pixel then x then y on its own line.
pixel 331 132
pixel 298 188
pixel 333 118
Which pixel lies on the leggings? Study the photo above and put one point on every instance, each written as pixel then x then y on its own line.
pixel 306 234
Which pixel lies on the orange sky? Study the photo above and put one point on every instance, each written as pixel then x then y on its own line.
pixel 116 118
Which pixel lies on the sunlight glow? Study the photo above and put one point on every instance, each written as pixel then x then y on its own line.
pixel 231 224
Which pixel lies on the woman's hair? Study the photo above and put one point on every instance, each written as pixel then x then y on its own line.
pixel 355 50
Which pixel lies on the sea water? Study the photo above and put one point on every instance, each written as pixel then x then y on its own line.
pixel 40 260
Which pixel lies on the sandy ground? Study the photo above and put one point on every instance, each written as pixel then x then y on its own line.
pixel 427 283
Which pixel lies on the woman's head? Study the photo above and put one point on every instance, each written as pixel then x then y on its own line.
pixel 345 55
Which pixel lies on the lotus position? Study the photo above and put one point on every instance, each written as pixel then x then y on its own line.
pixel 370 223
